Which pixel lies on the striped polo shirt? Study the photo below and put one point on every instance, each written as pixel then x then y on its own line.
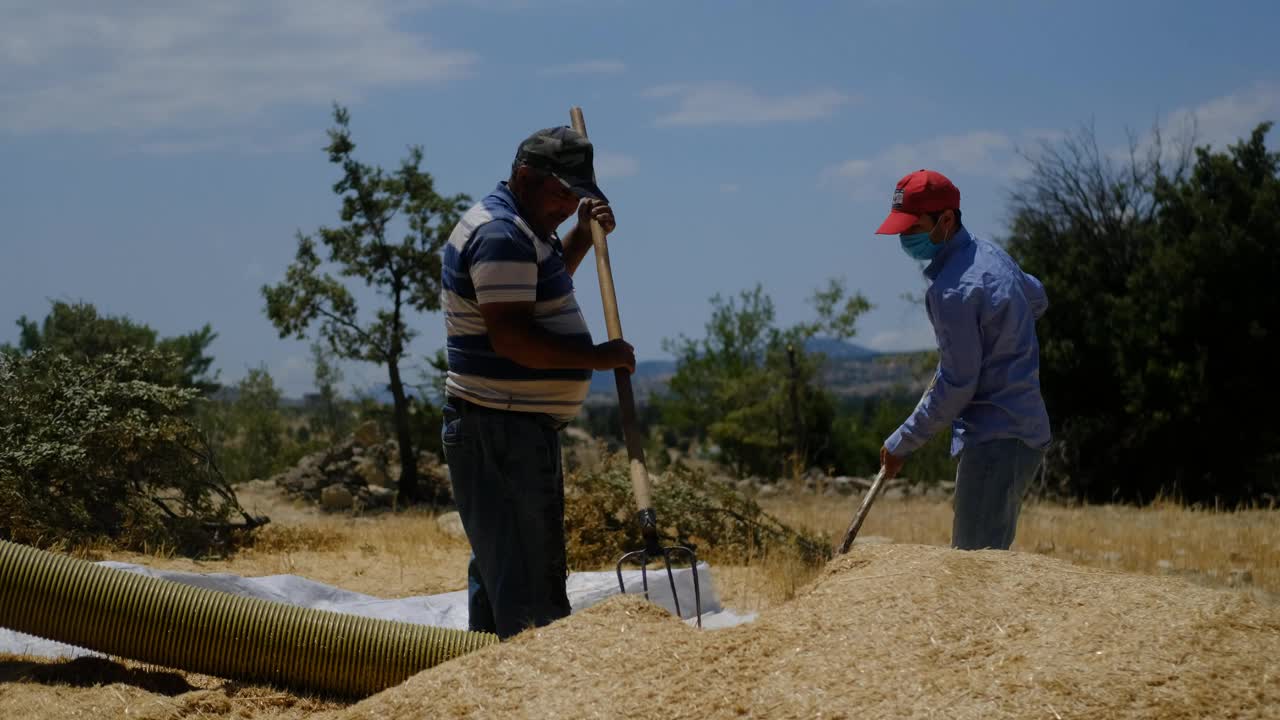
pixel 494 256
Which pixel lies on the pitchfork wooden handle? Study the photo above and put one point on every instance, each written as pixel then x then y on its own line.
pixel 626 398
pixel 861 515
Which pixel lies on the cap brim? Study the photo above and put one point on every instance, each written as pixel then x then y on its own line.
pixel 897 223
pixel 586 189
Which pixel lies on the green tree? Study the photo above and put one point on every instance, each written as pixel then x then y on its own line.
pixel 76 330
pixel 405 272
pixel 862 425
pixel 259 429
pixel 331 418
pixel 740 388
pixel 1158 344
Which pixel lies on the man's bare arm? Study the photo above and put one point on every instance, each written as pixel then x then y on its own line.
pixel 515 336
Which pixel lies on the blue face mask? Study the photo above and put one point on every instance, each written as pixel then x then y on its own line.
pixel 919 246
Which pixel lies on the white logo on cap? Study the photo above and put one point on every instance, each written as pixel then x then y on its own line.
pixel 897 197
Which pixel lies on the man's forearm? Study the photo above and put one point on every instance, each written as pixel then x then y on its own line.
pixel 535 347
pixel 576 244
pixel 940 405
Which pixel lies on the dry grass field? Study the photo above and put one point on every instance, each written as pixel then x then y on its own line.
pixel 1225 549
pixel 406 554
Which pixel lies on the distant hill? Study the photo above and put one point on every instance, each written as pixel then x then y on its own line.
pixel 228 394
pixel 852 370
pixel 650 375
pixel 839 349
pixel 880 373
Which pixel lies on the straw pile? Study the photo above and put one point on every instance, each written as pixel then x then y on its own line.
pixel 892 631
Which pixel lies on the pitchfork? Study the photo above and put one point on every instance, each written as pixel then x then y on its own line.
pixel 635 445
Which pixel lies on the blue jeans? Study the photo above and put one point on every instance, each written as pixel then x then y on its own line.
pixel 990 482
pixel 509 487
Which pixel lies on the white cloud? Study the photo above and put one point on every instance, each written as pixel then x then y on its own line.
pixel 1229 118
pixel 615 165
pixel 86 66
pixel 733 104
pixel 981 153
pixel 258 142
pixel 586 67
pixel 1218 122
pixel 993 154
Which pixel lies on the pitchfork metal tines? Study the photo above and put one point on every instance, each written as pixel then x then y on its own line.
pixel 652 551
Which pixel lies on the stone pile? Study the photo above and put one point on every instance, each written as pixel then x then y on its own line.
pixel 362 473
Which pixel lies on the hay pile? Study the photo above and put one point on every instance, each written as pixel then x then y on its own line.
pixel 893 631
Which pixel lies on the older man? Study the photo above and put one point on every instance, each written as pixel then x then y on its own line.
pixel 983 308
pixel 520 360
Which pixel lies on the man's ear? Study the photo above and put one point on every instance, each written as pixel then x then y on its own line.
pixel 950 226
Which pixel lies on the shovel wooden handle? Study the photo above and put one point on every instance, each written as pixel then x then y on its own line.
pixel 861 515
pixel 626 398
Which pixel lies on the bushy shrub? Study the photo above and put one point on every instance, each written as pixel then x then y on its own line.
pixel 91 450
pixel 693 509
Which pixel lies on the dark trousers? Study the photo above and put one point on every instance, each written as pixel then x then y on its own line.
pixel 990 483
pixel 508 483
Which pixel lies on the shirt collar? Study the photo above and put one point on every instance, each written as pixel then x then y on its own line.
pixel 949 248
pixel 503 193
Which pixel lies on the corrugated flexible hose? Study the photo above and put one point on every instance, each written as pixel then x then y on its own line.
pixel 198 630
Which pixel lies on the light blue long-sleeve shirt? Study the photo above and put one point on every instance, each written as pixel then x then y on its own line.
pixel 983 308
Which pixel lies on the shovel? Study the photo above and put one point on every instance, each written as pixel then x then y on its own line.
pixel 648 519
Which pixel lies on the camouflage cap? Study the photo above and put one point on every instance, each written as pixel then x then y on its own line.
pixel 566 155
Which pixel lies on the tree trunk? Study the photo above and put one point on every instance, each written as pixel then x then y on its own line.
pixel 409 490
pixel 331 415
pixel 799 449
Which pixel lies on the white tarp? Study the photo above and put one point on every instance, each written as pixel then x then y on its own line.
pixel 445 610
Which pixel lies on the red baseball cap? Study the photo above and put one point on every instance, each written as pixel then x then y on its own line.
pixel 921 192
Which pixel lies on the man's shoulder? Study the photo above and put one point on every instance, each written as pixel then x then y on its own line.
pixel 996 265
pixel 496 212
pixel 501 240
pixel 496 216
pixel 499 228
pixel 992 250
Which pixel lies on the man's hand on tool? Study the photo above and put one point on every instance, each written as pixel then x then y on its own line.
pixel 591 209
pixel 615 354
pixel 891 463
pixel 578 240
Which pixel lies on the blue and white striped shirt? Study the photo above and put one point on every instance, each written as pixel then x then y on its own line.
pixel 494 256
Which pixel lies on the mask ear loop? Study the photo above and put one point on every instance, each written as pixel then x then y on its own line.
pixel 936 217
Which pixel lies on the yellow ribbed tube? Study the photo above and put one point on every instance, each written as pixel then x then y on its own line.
pixel 179 626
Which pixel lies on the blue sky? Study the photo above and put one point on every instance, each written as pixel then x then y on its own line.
pixel 159 156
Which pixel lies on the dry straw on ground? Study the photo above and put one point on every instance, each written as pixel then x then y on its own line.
pixel 92 688
pixel 388 555
pixel 1214 547
pixel 893 631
